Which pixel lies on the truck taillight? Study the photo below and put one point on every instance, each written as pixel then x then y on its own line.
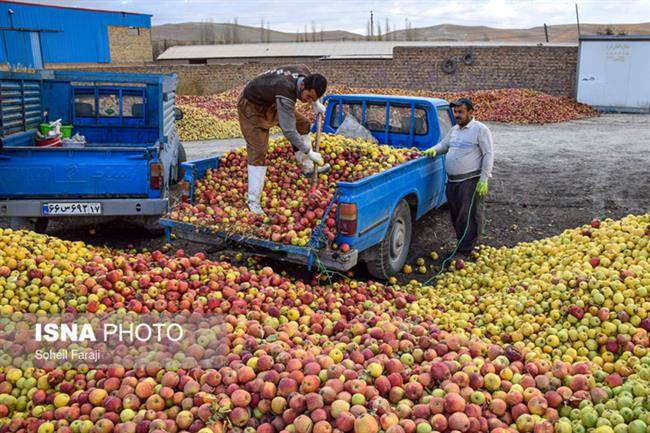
pixel 156 175
pixel 185 191
pixel 347 218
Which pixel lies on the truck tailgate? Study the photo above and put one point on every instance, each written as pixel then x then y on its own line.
pixel 63 172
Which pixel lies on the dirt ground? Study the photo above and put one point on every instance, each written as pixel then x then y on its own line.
pixel 546 178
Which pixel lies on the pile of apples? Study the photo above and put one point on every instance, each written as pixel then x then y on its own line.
pixel 214 116
pixel 293 210
pixel 198 124
pixel 581 295
pixel 348 356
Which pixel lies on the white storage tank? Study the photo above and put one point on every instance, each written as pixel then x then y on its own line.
pixel 614 72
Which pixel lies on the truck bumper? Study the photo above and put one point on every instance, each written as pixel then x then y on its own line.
pixel 334 260
pixel 110 207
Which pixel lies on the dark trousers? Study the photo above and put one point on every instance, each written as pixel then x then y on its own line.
pixel 459 198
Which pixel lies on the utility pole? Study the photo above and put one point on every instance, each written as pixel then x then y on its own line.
pixel 578 20
pixel 387 29
pixel 372 25
pixel 546 32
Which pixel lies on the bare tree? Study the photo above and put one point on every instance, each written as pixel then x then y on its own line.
pixel 388 35
pixel 306 34
pixel 322 33
pixel 262 30
pixel 235 39
pixel 378 30
pixel 368 30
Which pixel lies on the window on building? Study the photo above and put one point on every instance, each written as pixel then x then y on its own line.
pixel 135 31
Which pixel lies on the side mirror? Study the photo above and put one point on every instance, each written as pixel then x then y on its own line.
pixel 178 114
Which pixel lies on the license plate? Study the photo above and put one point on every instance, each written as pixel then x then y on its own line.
pixel 72 208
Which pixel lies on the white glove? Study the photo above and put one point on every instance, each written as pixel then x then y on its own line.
pixel 316 157
pixel 318 107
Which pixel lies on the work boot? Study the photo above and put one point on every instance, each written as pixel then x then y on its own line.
pixel 256 177
pixel 307 165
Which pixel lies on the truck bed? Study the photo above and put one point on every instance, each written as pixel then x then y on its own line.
pixel 97 170
pixel 374 196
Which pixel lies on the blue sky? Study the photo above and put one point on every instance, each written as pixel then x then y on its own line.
pixel 291 15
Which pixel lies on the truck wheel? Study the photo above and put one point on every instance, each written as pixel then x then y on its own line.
pixel 389 256
pixel 180 171
pixel 151 224
pixel 40 225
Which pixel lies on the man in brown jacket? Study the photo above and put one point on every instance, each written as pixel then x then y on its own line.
pixel 268 100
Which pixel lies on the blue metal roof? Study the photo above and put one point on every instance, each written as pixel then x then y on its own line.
pixel 390 98
pixel 65 35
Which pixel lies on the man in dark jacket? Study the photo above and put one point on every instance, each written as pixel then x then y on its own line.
pixel 269 100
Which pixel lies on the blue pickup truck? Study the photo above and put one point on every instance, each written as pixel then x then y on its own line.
pixel 374 215
pixel 131 155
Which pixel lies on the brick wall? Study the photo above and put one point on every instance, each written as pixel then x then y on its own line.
pixel 550 69
pixel 130 45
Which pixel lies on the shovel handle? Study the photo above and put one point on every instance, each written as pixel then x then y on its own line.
pixel 319 128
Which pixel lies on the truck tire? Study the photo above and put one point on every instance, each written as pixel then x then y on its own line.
pixel 449 66
pixel 180 172
pixel 151 224
pixel 40 225
pixel 388 257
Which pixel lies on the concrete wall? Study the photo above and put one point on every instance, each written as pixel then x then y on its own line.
pixel 550 69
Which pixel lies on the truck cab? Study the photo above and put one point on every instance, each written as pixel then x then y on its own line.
pixel 399 121
pixel 130 157
pixel 378 212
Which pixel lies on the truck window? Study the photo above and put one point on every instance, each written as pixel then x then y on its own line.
pixel 421 126
pixel 132 105
pixel 444 119
pixel 400 117
pixel 84 103
pixel 376 117
pixel 353 109
pixel 109 104
pixel 400 120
